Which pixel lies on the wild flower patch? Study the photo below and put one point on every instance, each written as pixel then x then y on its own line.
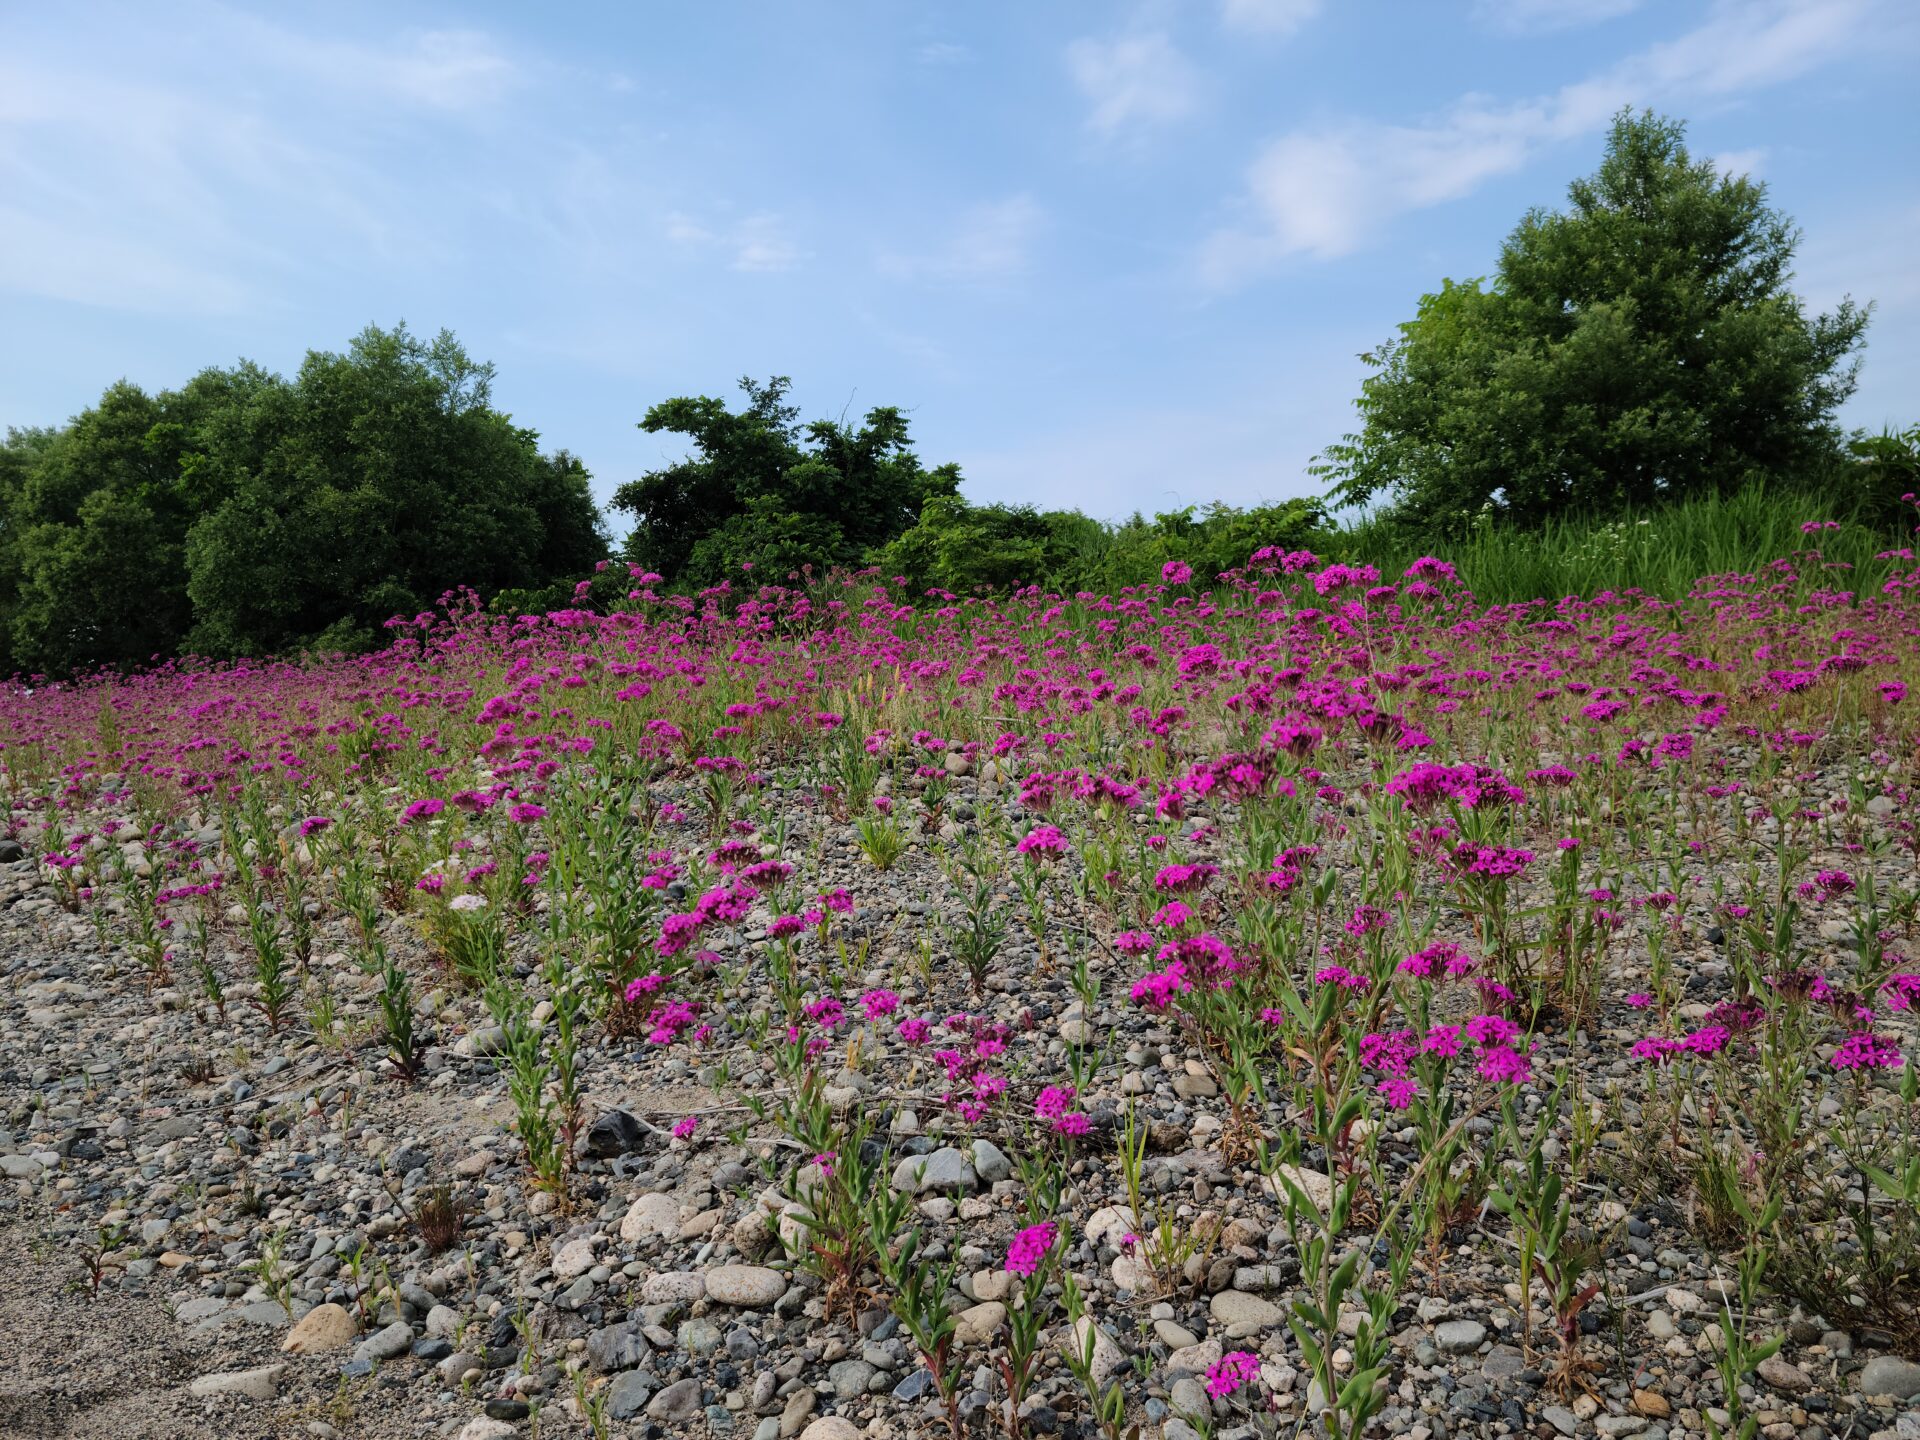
pixel 1304 950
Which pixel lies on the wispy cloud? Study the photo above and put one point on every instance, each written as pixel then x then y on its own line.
pixel 141 197
pixel 1325 192
pixel 1273 17
pixel 1535 16
pixel 434 69
pixel 942 52
pixel 1131 80
pixel 165 193
pixel 757 243
pixel 1741 162
pixel 761 243
pixel 989 242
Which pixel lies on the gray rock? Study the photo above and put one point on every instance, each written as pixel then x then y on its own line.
pixel 386 1344
pixel 752 1287
pixel 945 1169
pixel 655 1214
pixel 1235 1307
pixel 679 1401
pixel 1561 1418
pixel 614 1133
pixel 673 1287
pixel 1174 1337
pixel 1459 1337
pixel 1619 1424
pixel 798 1407
pixel 1889 1375
pixel 260 1384
pixel 268 1314
pixel 456 1365
pixel 1189 1399
pixel 849 1378
pixel 1787 1379
pixel 617 1347
pixel 627 1395
pixel 990 1162
pixel 1503 1362
pixel 916 1385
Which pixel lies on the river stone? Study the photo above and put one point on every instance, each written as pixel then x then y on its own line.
pixel 849 1378
pixel 627 1395
pixel 752 1287
pixel 945 1169
pixel 1459 1337
pixel 323 1328
pixel 1787 1378
pixel 386 1344
pixel 990 1162
pixel 574 1259
pixel 617 1347
pixel 673 1287
pixel 1236 1307
pixel 679 1401
pixel 656 1214
pixel 1195 1358
pixel 1889 1375
pixel 260 1384
pixel 978 1324
pixel 831 1427
pixel 1107 1358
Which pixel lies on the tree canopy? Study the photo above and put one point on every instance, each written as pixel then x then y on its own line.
pixel 247 514
pixel 963 548
pixel 1639 346
pixel 762 490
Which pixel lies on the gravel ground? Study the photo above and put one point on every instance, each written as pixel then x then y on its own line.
pixel 250 1175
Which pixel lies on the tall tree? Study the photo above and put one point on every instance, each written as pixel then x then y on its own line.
pixel 760 489
pixel 1642 344
pixel 246 513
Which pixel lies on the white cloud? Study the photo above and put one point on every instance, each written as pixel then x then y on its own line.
pixel 942 52
pixel 170 189
pixel 683 229
pixel 84 267
pixel 757 243
pixel 760 243
pixel 1273 17
pixel 1324 192
pixel 435 69
pixel 1133 80
pixel 990 242
pixel 133 196
pixel 1535 16
pixel 1741 162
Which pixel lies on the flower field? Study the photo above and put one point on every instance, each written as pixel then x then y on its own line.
pixel 1302 1002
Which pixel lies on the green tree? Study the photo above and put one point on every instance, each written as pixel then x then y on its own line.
pixel 374 483
pixel 1641 345
pixel 760 489
pixel 962 548
pixel 248 513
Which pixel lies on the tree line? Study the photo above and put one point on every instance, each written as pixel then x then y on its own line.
pixel 1641 346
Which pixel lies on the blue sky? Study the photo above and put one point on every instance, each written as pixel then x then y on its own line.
pixel 1111 256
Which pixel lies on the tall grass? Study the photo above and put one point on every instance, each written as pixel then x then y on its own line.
pixel 1663 550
